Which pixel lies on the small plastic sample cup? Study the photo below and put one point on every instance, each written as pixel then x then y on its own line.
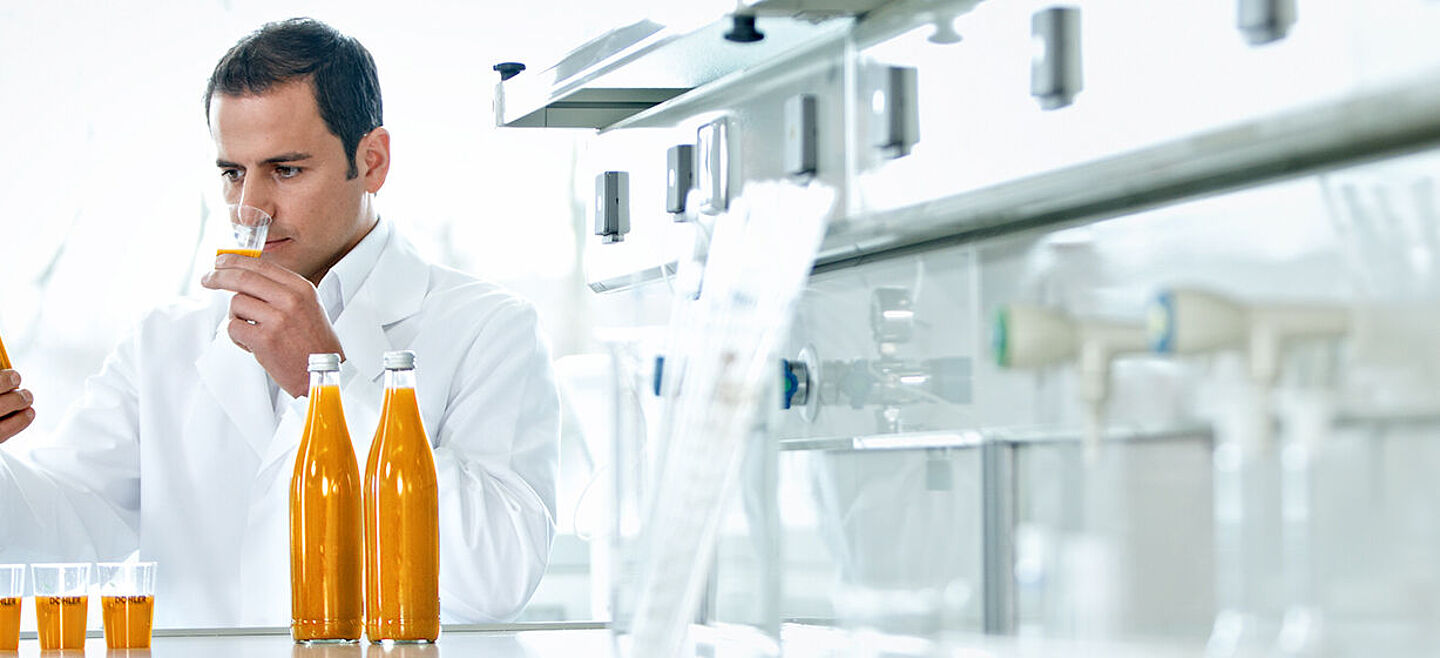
pixel 12 588
pixel 62 598
pixel 251 226
pixel 127 603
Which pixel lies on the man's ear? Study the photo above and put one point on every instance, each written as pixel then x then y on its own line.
pixel 374 159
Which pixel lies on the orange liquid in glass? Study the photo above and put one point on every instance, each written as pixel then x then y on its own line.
pixel 4 358
pixel 9 623
pixel 254 253
pixel 402 529
pixel 127 621
pixel 326 571
pixel 62 621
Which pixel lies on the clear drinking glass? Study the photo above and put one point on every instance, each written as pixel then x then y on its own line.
pixel 127 603
pixel 12 587
pixel 61 602
pixel 250 225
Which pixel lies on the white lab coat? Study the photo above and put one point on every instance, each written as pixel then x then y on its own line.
pixel 176 449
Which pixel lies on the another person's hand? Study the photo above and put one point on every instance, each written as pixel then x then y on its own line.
pixel 16 414
pixel 275 315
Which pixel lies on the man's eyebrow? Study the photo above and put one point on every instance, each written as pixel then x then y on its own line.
pixel 294 156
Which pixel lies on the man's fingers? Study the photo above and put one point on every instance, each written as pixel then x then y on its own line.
pixel 252 310
pixel 260 266
pixel 15 423
pixel 9 380
pixel 15 401
pixel 250 282
pixel 243 334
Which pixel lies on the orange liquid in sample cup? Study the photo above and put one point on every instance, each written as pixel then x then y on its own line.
pixel 62 621
pixel 253 253
pixel 4 358
pixel 402 529
pixel 326 571
pixel 127 621
pixel 9 623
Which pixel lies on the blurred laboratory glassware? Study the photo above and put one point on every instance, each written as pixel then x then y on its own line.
pixel 639 381
pixel 1375 528
pixel 127 603
pixel 12 588
pixel 61 603
pixel 250 226
pixel 1308 419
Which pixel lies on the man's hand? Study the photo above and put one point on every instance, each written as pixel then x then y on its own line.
pixel 276 316
pixel 16 413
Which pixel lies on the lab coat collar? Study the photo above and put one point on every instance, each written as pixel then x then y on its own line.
pixel 394 290
pixel 338 287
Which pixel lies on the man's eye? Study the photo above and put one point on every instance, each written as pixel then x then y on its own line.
pixel 230 175
pixel 285 171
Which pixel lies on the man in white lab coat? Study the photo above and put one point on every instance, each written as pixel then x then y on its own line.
pixel 183 446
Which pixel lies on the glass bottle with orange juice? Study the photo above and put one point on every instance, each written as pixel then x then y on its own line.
pixel 402 517
pixel 326 569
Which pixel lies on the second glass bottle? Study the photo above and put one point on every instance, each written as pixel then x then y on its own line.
pixel 402 517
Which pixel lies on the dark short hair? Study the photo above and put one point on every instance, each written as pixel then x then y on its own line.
pixel 340 71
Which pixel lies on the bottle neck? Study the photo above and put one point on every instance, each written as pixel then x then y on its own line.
pixel 399 379
pixel 320 378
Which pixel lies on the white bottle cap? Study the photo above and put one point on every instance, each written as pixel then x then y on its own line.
pixel 400 360
pixel 324 362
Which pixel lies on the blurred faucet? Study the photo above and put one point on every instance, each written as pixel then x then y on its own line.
pixel 1029 336
pixel 1261 502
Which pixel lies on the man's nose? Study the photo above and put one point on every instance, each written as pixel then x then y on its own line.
pixel 257 192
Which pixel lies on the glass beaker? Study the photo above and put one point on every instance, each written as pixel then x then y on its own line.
pixel 61 603
pixel 127 603
pixel 12 587
pixel 250 226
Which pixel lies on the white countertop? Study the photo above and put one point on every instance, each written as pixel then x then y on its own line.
pixel 550 641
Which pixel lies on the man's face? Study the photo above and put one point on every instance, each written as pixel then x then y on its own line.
pixel 274 152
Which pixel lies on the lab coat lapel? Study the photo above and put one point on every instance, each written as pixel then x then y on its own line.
pixel 239 386
pixel 394 291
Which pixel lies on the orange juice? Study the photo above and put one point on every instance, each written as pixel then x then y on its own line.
pixel 402 530
pixel 9 623
pixel 326 569
pixel 254 253
pixel 62 621
pixel 4 358
pixel 127 621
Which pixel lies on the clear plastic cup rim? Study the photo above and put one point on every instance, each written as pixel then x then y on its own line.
pixel 60 565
